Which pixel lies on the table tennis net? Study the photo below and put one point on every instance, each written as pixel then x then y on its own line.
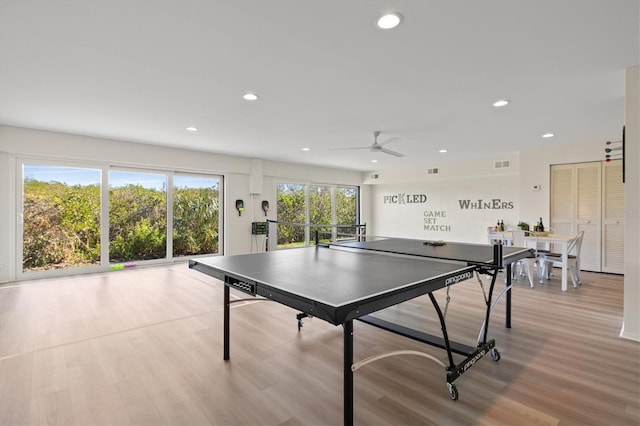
pixel 282 234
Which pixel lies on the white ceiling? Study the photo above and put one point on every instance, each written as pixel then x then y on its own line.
pixel 144 70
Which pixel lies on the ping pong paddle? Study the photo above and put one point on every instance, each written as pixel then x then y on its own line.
pixel 434 243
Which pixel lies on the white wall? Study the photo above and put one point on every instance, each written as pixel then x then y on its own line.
pixel 52 145
pixel 452 209
pixel 462 169
pixel 474 179
pixel 18 142
pixel 477 179
pixel 529 168
pixel 536 170
pixel 631 327
pixel 238 226
pixel 7 216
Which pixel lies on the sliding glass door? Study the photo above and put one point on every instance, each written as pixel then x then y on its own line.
pixel 196 215
pixel 83 217
pixel 137 216
pixel 60 217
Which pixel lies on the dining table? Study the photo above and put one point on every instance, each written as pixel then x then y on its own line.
pixel 562 241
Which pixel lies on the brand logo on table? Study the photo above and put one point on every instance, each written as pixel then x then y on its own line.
pixel 480 204
pixel 457 278
pixel 474 360
pixel 403 198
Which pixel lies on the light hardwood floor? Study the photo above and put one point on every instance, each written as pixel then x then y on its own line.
pixel 144 346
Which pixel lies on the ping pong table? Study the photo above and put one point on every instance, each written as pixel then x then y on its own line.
pixel 349 280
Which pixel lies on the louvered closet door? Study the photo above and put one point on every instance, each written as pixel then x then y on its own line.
pixel 588 214
pixel 612 218
pixel 576 206
pixel 562 199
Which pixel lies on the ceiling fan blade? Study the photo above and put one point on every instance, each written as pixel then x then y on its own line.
pixel 388 141
pixel 390 152
pixel 356 147
pixel 375 147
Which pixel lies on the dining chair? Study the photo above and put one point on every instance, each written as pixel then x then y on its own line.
pixel 498 237
pixel 552 259
pixel 533 260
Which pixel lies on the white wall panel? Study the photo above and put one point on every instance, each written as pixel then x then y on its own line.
pixel 631 328
pixel 436 210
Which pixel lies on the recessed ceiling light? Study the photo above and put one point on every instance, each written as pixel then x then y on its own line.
pixel 306 149
pixel 374 161
pixel 442 151
pixel 548 135
pixel 250 96
pixel 501 103
pixel 192 129
pixel 389 20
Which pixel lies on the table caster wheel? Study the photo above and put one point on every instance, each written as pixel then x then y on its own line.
pixel 453 391
pixel 495 355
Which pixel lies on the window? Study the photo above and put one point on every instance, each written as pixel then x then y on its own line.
pixel 61 217
pixel 302 209
pixel 196 209
pixel 291 210
pixel 346 211
pixel 320 212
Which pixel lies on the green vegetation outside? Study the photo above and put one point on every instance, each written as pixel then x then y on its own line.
pixel 62 224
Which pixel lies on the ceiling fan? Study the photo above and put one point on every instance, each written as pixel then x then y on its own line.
pixel 377 147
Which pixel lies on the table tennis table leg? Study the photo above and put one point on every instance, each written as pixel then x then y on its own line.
pixel 508 303
pixel 443 327
pixel 348 373
pixel 494 276
pixel 226 322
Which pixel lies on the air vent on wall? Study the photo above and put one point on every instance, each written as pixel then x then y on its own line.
pixel 374 176
pixel 433 171
pixel 504 164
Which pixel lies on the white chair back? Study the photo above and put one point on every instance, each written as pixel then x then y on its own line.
pixel 518 238
pixel 576 244
pixel 499 237
pixel 532 261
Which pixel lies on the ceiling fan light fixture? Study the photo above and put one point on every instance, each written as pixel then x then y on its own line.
pixel 389 20
pixel 250 96
pixel 548 135
pixel 442 151
pixel 500 103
